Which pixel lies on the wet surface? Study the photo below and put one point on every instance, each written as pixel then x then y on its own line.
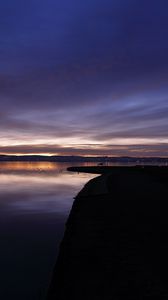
pixel 35 200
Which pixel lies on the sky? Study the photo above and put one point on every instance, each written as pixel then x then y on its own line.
pixel 84 77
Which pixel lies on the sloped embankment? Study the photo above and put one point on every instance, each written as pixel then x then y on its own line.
pixel 116 240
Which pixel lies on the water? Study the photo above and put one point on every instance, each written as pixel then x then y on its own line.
pixel 35 201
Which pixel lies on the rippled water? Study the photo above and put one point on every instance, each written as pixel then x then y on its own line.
pixel 35 200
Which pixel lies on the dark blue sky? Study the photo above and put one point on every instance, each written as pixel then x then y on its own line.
pixel 84 77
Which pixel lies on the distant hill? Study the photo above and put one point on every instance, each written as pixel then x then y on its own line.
pixel 99 159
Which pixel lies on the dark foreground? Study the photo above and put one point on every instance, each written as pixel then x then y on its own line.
pixel 116 240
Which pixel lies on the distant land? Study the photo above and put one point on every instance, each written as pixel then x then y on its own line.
pixel 97 159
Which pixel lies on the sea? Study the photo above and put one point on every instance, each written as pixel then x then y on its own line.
pixel 35 201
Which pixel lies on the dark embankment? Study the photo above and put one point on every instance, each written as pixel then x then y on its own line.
pixel 157 171
pixel 116 240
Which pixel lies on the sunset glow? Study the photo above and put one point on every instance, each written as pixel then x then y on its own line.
pixel 88 79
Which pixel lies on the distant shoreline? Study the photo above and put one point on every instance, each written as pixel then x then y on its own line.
pixel 102 160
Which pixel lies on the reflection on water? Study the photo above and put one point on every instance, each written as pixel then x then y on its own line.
pixel 38 187
pixel 35 200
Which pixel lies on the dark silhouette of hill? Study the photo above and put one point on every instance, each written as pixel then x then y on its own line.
pixel 98 159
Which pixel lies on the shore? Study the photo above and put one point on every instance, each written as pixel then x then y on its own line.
pixel 115 244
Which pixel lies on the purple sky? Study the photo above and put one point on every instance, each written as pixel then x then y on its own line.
pixel 84 77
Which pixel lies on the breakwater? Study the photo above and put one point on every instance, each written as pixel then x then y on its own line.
pixel 116 239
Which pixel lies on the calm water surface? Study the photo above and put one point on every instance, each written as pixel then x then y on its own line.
pixel 35 201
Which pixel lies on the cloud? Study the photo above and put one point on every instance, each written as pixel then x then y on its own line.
pixel 160 149
pixel 91 71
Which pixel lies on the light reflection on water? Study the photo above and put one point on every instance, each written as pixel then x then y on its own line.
pixel 35 200
pixel 38 187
